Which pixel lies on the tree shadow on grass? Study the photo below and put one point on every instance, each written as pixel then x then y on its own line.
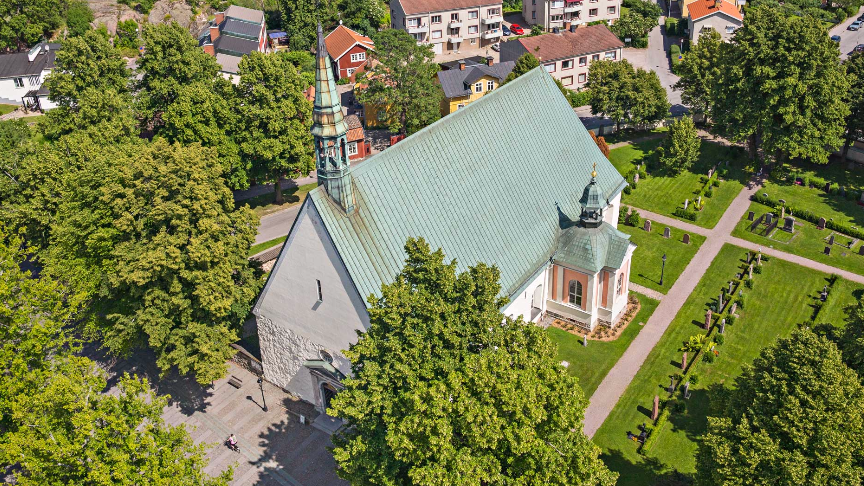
pixel 644 472
pixel 693 422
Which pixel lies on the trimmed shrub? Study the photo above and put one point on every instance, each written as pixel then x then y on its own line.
pixel 719 338
pixel 715 183
pixel 639 42
pixel 655 431
pixel 634 219
pixel 627 190
pixel 671 26
pixel 730 319
pixel 757 269
pixel 688 214
pixel 708 357
pixel 740 301
pixel 748 283
pixel 808 216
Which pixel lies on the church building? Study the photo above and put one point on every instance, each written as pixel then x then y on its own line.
pixel 532 195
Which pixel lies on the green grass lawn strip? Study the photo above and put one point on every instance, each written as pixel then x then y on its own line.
pixel 770 311
pixel 256 249
pixel 808 242
pixel 591 363
pixel 263 204
pixel 4 109
pixel 647 260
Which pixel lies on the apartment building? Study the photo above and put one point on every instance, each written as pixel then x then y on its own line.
pixel 568 54
pixel 556 13
pixel 449 25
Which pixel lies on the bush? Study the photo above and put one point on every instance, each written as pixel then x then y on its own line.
pixel 640 42
pixel 757 269
pixel 679 407
pixel 627 190
pixel 715 183
pixel 655 431
pixel 688 214
pixel 719 338
pixel 709 193
pixel 693 379
pixel 748 283
pixel 634 219
pixel 671 26
pixel 740 301
pixel 622 215
pixel 579 98
pixel 708 357
pixel 730 319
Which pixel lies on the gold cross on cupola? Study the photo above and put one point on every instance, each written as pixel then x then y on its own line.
pixel 594 172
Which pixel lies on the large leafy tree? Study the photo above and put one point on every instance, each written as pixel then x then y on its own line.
pixel 700 70
pixel 364 16
pixel 149 232
pixel 633 25
pixel 624 94
pixel 401 80
pixel 447 390
pixel 87 61
pixel 171 60
pixel 276 117
pixel 78 17
pixel 851 339
pixel 299 20
pixel 796 416
pixel 681 147
pixel 525 63
pixel 57 425
pixel 855 120
pixel 782 87
pixel 24 22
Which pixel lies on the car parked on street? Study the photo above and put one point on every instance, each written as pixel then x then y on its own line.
pixel 506 30
pixel 496 47
pixel 859 48
pixel 517 29
pixel 835 38
pixel 855 25
pixel 861 18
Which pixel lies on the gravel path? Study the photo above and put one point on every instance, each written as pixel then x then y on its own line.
pixel 646 291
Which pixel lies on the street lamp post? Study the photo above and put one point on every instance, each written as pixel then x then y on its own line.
pixel 261 386
pixel 663 269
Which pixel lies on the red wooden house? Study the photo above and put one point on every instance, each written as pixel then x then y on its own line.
pixel 358 147
pixel 348 50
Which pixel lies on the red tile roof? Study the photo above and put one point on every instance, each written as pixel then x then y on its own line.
pixel 342 39
pixel 412 7
pixel 355 128
pixel 586 40
pixel 704 8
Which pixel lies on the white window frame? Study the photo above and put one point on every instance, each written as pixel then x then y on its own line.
pixel 557 4
pixel 472 41
pixel 565 78
pixel 550 68
pixel 414 22
pixel 575 293
pixel 478 87
pixel 620 283
pixel 434 21
pixel 350 71
pixel 437 34
pixel 582 78
pixel 19 82
pixel 473 29
pixel 352 148
pixel 594 10
pixel 473 14
pixel 611 56
pixel 730 29
pixel 565 66
pixel 610 10
pixel 490 85
pixel 358 56
pixel 583 61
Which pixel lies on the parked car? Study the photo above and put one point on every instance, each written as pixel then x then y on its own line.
pixel 496 47
pixel 861 18
pixel 859 48
pixel 855 25
pixel 517 29
pixel 835 38
pixel 506 30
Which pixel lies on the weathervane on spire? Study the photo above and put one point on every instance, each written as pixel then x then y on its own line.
pixel 594 172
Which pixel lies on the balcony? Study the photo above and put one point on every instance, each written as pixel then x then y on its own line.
pixel 417 29
pixel 573 7
pixel 492 34
pixel 455 24
pixel 455 39
pixel 492 20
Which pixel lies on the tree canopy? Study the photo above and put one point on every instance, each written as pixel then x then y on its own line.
pixel 851 339
pixel 78 17
pixel 796 416
pixel 681 148
pixel 401 80
pixel 447 390
pixel 87 61
pixel 855 120
pixel 700 70
pixel 625 94
pixel 24 23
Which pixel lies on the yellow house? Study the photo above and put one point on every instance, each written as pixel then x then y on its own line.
pixel 468 83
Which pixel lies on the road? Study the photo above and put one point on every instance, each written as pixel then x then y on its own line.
pixel 277 224
pixel 848 39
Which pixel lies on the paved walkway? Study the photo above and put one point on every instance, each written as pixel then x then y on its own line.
pixel 646 291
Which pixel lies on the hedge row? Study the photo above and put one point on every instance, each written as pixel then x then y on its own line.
pixel 674 54
pixel 655 430
pixel 809 216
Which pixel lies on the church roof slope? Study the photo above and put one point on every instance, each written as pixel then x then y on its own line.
pixel 481 186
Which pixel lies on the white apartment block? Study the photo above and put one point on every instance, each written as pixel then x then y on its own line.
pixel 449 25
pixel 550 14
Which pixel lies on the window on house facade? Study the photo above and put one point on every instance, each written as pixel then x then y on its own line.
pixel 490 85
pixel 568 64
pixel 460 105
pixel 581 78
pixel 454 17
pixel 350 71
pixel 592 12
pixel 493 12
pixel 550 68
pixel 610 10
pixel 352 148
pixel 595 57
pixel 730 29
pixel 478 87
pixel 574 295
pixel 436 34
pixel 320 294
pixel 556 18
pixel 583 61
pixel 610 55
pixel 414 22
pixel 557 4
pixel 620 283
pixel 33 80
pixel 19 82
pixel 361 56
pixel 567 80
pixel 473 29
pixel 436 19
pixel 533 15
pixel 473 14
pixel 472 41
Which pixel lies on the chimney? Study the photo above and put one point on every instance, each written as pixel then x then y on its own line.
pixel 220 17
pixel 573 27
pixel 461 65
pixel 214 33
pixel 567 24
pixel 490 61
pixel 208 48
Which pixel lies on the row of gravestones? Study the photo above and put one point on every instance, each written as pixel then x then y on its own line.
pixel 789 225
pixel 667 232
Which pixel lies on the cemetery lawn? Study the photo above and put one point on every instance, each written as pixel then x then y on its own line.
pixel 843 293
pixel 647 261
pixel 591 363
pixel 770 311
pixel 664 194
pixel 817 201
pixel 808 241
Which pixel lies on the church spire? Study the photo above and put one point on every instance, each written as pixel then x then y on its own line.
pixel 329 130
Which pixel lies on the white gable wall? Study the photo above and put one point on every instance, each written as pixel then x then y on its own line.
pixel 292 324
pixel 523 302
pixel 610 214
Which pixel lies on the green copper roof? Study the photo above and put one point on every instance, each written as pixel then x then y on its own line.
pixel 480 185
pixel 591 197
pixel 592 248
pixel 327 118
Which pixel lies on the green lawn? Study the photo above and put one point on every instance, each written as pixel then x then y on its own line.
pixel 591 363
pixel 7 109
pixel 663 194
pixel 256 249
pixel 771 310
pixel 843 293
pixel 263 204
pixel 647 260
pixel 808 241
pixel 817 201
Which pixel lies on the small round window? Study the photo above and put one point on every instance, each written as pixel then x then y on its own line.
pixel 326 356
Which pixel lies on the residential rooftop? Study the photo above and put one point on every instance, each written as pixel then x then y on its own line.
pixel 704 8
pixel 413 7
pixel 342 39
pixel 457 82
pixel 585 40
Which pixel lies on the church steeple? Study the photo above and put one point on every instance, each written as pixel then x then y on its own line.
pixel 592 203
pixel 329 130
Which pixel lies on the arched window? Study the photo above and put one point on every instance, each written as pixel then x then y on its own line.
pixel 575 293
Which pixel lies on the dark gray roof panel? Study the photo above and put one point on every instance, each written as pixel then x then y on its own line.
pixel 243 29
pixel 453 81
pixel 18 64
pixel 230 44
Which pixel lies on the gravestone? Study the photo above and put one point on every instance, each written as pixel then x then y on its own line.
pixel 769 217
pixel 686 240
pixel 759 259
pixel 647 225
pixel 686 203
pixel 720 302
pixel 733 309
pixel 729 290
pixel 667 232
pixel 584 340
pixel 699 201
pixel 684 361
pixel 751 215
pixel 750 271
pixel 831 239
pixel 861 250
pixel 748 257
pixel 827 187
pixel 686 389
pixel 671 385
pixel 656 410
pixel 789 224
pixel 823 296
pixel 710 173
pixel 708 320
pixel 636 178
pixel 722 326
pixel 821 224
pixel 827 250
pixel 782 212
